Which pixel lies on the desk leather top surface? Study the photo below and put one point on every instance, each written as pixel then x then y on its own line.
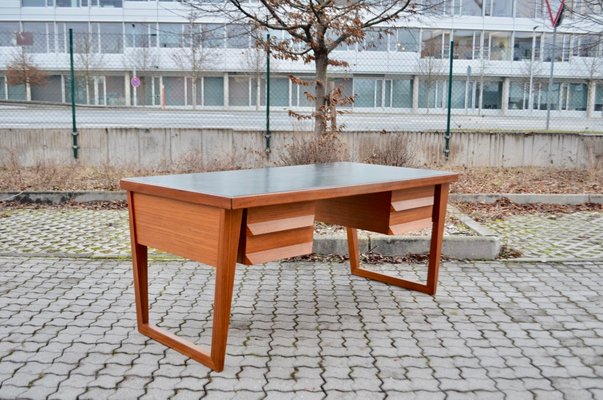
pixel 218 188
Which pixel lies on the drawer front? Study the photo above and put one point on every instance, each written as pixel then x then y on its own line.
pixel 411 209
pixel 276 232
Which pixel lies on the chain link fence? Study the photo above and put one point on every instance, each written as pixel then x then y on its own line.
pixel 212 76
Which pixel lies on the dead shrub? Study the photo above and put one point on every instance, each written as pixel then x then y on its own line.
pixel 317 150
pixel 397 152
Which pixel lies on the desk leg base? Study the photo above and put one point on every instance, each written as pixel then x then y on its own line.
pixel 357 270
pixel 435 250
pixel 183 346
pixel 392 280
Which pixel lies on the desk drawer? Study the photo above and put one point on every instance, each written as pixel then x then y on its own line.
pixel 391 213
pixel 274 232
pixel 411 210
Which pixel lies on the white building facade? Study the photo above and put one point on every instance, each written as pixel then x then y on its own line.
pixel 502 54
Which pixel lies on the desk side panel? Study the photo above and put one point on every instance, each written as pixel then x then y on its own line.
pixel 184 229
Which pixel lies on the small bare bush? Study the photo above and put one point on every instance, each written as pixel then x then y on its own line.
pixel 397 152
pixel 317 150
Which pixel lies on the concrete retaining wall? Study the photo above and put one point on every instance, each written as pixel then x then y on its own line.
pixel 205 147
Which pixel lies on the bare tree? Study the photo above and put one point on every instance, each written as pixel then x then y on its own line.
pixel 585 14
pixel 531 70
pixel 255 62
pixel 22 70
pixel 315 28
pixel 594 68
pixel 88 60
pixel 430 67
pixel 142 57
pixel 194 54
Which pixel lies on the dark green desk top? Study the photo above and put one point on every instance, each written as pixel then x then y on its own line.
pixel 261 182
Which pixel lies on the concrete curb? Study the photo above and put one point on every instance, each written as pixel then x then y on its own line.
pixel 521 198
pixel 529 198
pixel 62 197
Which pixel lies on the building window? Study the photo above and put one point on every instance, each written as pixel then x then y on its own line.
pixel 401 93
pixel 499 8
pixel 111 3
pixel 170 35
pixel 367 92
pixel 492 95
pixel 33 3
pixel 375 40
pixel 40 38
pixel 518 96
pixel 587 45
pixel 237 36
pixel 299 96
pixel 68 3
pixel 404 40
pixel 8 34
pixel 238 91
pixel 562 48
pixel 279 92
pixel 111 37
pixel 467 44
pixel 523 45
pixel 436 7
pixel 431 93
pixel 213 35
pixel 468 7
pixel 497 46
pixel 434 43
pixel 137 35
pixel 577 96
pixel 16 92
pixel 213 91
pixel 2 88
pixel 599 97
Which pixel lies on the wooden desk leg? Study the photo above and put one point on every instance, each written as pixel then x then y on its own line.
pixel 437 237
pixel 435 251
pixel 230 228
pixel 139 268
pixel 141 283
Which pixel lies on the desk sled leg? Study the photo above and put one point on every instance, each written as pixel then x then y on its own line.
pixel 159 223
pixel 438 214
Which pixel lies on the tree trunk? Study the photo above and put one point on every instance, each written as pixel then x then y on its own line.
pixel 321 100
pixel 27 90
pixel 194 94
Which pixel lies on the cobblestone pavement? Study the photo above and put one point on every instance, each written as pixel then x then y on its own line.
pixel 103 233
pixel 73 232
pixel 577 235
pixel 304 330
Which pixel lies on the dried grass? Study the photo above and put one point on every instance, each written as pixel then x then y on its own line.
pixel 397 152
pixel 528 180
pixel 317 150
pixel 46 176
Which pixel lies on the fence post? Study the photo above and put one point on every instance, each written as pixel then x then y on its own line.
pixel 447 135
pixel 72 79
pixel 268 94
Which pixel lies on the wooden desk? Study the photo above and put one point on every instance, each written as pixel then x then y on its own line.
pixel 260 215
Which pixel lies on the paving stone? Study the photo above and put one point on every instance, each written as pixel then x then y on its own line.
pixel 577 235
pixel 459 343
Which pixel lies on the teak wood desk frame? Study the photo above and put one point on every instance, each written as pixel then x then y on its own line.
pixel 256 216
